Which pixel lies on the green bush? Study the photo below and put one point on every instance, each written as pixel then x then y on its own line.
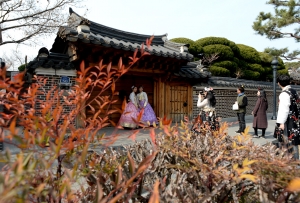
pixel 21 67
pixel 203 42
pixel 265 58
pixel 219 71
pixel 230 65
pixel 282 72
pixel 268 70
pixel 249 54
pixel 250 75
pixel 183 40
pixel 224 52
pixel 234 48
pixel 243 64
pixel 257 68
pixel 193 49
pixel 280 64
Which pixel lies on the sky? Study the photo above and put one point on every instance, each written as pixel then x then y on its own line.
pixel 192 19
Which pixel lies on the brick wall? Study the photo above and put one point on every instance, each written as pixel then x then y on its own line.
pixel 53 80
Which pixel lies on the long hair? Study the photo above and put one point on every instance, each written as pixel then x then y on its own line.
pixel 211 98
pixel 263 94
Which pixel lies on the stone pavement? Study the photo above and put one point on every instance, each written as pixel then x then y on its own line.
pixel 249 119
pixel 123 137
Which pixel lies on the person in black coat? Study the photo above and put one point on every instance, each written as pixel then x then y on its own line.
pixel 259 112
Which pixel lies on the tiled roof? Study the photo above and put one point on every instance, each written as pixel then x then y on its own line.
pixel 192 70
pixel 233 82
pixel 102 35
pixel 54 60
pixel 61 61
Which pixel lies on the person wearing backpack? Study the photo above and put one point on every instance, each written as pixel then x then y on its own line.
pixel 286 131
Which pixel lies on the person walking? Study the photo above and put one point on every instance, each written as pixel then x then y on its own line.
pixel 242 102
pixel 286 131
pixel 259 112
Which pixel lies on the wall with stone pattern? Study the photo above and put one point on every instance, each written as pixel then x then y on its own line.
pixel 227 96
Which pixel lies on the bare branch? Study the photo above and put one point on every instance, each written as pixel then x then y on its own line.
pixel 22 20
pixel 285 33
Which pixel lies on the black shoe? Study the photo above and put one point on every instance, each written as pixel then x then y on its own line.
pixel 256 136
pixel 237 131
pixel 263 136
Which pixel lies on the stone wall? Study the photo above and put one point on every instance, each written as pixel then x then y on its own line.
pixel 226 97
pixel 225 92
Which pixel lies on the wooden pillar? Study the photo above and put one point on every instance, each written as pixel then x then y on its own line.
pixel 190 102
pixel 155 97
pixel 159 92
pixel 167 100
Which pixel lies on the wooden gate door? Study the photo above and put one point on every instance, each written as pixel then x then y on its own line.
pixel 179 102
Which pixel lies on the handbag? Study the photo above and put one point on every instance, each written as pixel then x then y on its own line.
pixel 278 134
pixel 235 107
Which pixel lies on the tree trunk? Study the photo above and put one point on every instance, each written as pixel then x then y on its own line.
pixel 1 34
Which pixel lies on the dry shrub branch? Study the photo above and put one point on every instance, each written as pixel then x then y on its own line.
pixel 174 165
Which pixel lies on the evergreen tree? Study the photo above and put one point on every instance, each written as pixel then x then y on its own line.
pixel 274 25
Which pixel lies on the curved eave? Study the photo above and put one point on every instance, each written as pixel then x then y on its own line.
pixel 119 34
pixel 90 38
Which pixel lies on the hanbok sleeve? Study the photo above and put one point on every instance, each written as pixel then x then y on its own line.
pixel 133 99
pixel 146 99
pixel 201 104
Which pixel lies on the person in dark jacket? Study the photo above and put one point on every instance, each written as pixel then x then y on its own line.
pixel 259 112
pixel 242 102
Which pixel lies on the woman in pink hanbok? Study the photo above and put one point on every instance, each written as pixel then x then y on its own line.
pixel 129 116
pixel 149 116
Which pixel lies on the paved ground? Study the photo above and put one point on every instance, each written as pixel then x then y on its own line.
pixel 123 137
pixel 249 119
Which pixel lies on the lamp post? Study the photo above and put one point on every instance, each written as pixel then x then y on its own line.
pixel 274 64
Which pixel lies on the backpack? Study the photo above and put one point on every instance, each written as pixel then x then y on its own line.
pixel 293 119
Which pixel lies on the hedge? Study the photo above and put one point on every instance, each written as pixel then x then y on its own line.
pixel 266 60
pixel 193 49
pixel 243 64
pixel 282 72
pixel 21 68
pixel 219 71
pixel 230 65
pixel 257 68
pixel 203 42
pixel 224 52
pixel 250 75
pixel 249 54
pixel 256 65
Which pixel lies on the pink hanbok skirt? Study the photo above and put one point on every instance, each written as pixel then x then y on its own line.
pixel 149 115
pixel 129 116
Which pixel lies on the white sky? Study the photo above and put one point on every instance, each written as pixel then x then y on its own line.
pixel 192 19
